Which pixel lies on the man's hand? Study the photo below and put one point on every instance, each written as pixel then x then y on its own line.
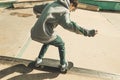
pixel 91 33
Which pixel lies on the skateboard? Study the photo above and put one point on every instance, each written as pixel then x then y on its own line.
pixel 51 65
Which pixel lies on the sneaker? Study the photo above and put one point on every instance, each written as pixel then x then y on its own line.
pixel 64 67
pixel 38 62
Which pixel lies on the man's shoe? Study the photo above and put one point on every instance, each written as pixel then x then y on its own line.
pixel 38 62
pixel 64 67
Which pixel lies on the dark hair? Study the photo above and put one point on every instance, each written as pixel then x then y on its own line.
pixel 75 2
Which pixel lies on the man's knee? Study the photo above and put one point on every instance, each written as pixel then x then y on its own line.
pixel 62 46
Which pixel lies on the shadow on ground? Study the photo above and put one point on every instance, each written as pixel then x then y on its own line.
pixel 24 70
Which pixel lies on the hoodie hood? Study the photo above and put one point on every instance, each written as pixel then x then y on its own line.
pixel 66 3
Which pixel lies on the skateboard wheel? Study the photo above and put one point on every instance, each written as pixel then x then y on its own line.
pixel 41 66
pixel 63 71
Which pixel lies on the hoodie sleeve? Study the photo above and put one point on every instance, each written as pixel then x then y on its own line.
pixel 66 23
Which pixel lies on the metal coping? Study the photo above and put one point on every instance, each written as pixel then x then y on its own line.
pixel 109 0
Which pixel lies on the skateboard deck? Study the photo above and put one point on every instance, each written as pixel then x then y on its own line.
pixel 51 65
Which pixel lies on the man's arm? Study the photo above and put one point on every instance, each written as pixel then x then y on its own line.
pixel 66 23
pixel 37 9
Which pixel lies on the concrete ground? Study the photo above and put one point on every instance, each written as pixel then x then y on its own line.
pixel 98 53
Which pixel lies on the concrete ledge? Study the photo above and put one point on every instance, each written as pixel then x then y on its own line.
pixel 22 63
pixel 104 4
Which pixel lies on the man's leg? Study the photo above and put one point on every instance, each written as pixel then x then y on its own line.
pixel 43 50
pixel 41 54
pixel 57 43
pixel 61 47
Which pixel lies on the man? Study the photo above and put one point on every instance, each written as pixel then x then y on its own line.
pixel 56 13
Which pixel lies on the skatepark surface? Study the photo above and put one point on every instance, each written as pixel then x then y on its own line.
pixel 99 53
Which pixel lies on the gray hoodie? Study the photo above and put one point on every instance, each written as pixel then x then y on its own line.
pixel 56 13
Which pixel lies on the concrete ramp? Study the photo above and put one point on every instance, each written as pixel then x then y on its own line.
pixel 18 69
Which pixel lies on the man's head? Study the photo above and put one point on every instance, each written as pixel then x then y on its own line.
pixel 73 5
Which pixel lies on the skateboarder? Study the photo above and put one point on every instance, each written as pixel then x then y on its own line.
pixel 56 13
